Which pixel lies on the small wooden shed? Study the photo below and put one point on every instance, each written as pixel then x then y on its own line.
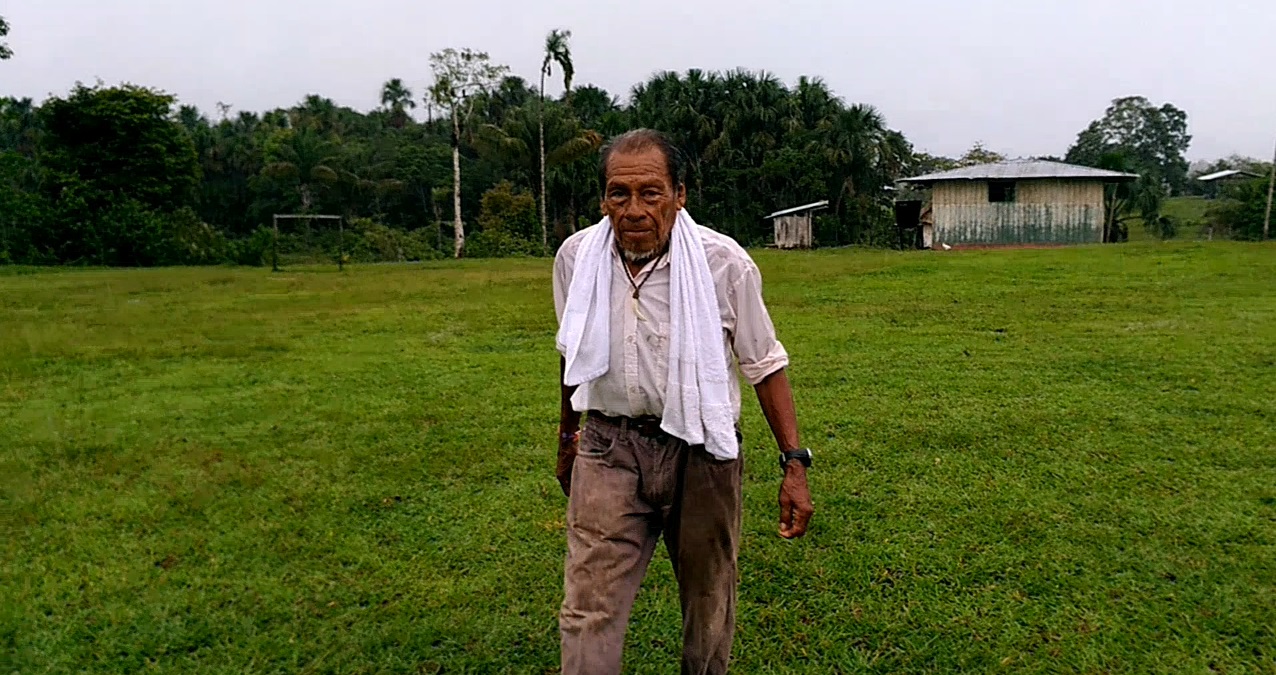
pixel 793 226
pixel 1017 202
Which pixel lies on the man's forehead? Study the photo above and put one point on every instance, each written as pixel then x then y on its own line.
pixel 637 163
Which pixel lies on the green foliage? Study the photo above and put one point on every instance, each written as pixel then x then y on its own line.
pixel 755 146
pixel 24 212
pixel 1240 212
pixel 978 154
pixel 91 227
pixel 508 210
pixel 398 100
pixel 1154 141
pixel 1126 201
pixel 1058 460
pixel 121 141
pixel 374 242
pixel 508 226
pixel 197 242
pixel 251 251
pixel 558 51
pixel 498 244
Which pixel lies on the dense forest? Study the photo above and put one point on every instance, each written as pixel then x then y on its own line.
pixel 479 163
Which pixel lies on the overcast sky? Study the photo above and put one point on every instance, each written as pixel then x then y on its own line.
pixel 1022 76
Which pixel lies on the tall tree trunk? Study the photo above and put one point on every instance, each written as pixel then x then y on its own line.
pixel 457 226
pixel 541 123
pixel 305 208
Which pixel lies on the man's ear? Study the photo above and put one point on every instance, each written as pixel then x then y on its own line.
pixel 682 196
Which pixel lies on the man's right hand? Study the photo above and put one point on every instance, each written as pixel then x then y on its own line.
pixel 567 447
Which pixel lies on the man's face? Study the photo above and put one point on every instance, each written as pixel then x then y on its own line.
pixel 641 201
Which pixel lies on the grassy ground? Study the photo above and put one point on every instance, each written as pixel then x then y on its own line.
pixel 1188 212
pixel 1028 461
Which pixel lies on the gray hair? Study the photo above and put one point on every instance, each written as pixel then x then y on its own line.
pixel 638 140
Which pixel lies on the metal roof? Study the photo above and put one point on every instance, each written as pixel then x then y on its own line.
pixel 1022 169
pixel 1230 173
pixel 797 209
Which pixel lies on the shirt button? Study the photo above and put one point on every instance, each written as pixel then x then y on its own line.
pixel 631 340
pixel 633 390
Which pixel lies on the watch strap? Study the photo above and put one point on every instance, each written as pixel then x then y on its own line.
pixel 802 455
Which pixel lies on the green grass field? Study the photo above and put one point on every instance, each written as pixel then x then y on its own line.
pixel 1027 461
pixel 1188 212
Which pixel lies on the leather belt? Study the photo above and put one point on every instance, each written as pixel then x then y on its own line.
pixel 647 425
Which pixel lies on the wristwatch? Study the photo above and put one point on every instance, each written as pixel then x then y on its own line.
pixel 802 455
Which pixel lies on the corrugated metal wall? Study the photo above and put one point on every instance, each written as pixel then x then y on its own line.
pixel 793 231
pixel 1044 212
pixel 1071 192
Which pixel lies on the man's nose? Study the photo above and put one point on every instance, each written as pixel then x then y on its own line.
pixel 632 211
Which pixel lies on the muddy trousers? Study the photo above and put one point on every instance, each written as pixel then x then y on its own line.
pixel 631 484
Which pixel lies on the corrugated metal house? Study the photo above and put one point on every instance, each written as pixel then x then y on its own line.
pixel 1016 202
pixel 793 226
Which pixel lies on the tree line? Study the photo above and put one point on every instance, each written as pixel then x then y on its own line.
pixel 479 162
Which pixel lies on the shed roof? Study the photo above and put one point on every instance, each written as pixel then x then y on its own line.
pixel 1230 173
pixel 798 209
pixel 1023 169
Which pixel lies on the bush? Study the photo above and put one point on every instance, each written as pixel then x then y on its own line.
pixel 196 242
pixel 496 244
pixel 509 211
pixel 374 242
pixel 253 251
pixel 1240 214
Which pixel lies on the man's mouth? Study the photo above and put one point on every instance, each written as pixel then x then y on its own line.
pixel 635 234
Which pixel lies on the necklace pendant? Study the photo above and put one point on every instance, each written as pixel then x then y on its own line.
pixel 638 310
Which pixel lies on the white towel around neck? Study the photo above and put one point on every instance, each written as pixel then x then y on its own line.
pixel 697 395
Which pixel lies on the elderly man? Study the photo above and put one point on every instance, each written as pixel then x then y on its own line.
pixel 654 312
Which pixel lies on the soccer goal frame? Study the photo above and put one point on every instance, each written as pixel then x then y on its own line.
pixel 341 237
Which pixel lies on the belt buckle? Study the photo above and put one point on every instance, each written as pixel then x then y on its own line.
pixel 650 427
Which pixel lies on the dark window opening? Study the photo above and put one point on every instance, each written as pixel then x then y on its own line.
pixel 1001 191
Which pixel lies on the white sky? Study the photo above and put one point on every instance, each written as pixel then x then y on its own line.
pixel 1022 76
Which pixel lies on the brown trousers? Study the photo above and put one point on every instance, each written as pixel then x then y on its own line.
pixel 630 484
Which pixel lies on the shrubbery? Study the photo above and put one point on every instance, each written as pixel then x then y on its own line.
pixel 1239 214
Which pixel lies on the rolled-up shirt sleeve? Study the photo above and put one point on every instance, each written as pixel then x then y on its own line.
pixel 757 350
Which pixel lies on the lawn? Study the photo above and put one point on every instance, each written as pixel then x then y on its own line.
pixel 1030 461
pixel 1190 213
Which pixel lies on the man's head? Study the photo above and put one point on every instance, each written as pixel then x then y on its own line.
pixel 643 190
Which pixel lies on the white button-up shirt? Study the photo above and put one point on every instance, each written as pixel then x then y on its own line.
pixel 634 384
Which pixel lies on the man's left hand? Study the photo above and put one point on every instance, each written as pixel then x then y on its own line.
pixel 795 502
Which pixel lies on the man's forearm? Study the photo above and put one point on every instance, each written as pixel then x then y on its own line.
pixel 776 397
pixel 568 419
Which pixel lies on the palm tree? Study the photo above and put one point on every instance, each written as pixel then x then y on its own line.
pixel 568 142
pixel 397 99
pixel 556 51
pixel 302 157
pixel 510 143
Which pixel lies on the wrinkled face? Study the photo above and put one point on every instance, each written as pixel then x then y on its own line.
pixel 641 201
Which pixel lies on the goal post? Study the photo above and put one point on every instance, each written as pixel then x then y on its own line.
pixel 341 236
